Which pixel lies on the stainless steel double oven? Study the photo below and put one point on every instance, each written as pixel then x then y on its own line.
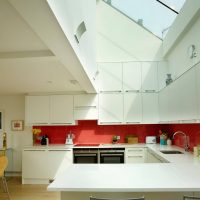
pixel 98 155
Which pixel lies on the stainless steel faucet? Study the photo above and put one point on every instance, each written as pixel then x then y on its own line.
pixel 186 142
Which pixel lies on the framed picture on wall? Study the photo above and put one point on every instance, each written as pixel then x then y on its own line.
pixel 17 125
pixel 1 120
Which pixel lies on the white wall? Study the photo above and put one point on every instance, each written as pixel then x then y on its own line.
pixel 121 39
pixel 69 15
pixel 13 108
pixel 178 58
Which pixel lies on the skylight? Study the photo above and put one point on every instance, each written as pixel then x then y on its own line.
pixel 155 15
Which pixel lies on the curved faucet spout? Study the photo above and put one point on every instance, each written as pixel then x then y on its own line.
pixel 186 142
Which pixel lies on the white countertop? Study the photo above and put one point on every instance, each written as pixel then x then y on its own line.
pixel 180 174
pixel 128 178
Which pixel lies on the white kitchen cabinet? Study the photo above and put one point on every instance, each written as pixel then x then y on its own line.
pixel 132 108
pixel 61 109
pixel 110 108
pixel 132 74
pixel 34 165
pixel 39 166
pixel 152 157
pixel 135 155
pixel 149 77
pixel 197 78
pixel 188 96
pixel 85 106
pixel 50 109
pixel 37 109
pixel 163 105
pixel 110 77
pixel 58 160
pixel 150 113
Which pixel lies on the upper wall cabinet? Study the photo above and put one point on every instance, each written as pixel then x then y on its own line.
pixel 132 108
pixel 149 77
pixel 132 76
pixel 61 109
pixel 37 109
pixel 54 109
pixel 110 108
pixel 150 108
pixel 110 77
pixel 85 106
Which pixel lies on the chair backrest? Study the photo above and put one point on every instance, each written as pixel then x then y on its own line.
pixel 139 198
pixel 3 164
pixel 190 197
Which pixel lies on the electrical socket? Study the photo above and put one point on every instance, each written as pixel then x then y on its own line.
pixel 118 137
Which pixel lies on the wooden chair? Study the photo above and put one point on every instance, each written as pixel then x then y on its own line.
pixel 190 197
pixel 138 198
pixel 3 165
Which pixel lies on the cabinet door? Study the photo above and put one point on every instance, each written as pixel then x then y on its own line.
pixel 197 78
pixel 132 108
pixel 110 77
pixel 61 109
pixel 150 113
pixel 34 164
pixel 149 77
pixel 163 105
pixel 134 155
pixel 85 106
pixel 174 103
pixel 58 160
pixel 37 109
pixel 132 73
pixel 110 108
pixel 188 96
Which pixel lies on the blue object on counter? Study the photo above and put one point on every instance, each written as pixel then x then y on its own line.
pixel 163 141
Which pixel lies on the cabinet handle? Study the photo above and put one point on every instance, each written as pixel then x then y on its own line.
pixel 34 149
pixel 110 122
pixel 111 91
pixel 60 150
pixel 40 123
pixel 85 107
pixel 62 123
pixel 135 150
pixel 150 91
pixel 132 91
pixel 133 122
pixel 135 156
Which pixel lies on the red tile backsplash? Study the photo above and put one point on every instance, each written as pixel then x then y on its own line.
pixel 90 132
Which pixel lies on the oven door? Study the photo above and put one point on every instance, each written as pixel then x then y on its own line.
pixel 81 157
pixel 112 157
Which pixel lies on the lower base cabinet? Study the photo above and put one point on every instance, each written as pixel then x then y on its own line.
pixel 152 157
pixel 43 165
pixel 135 155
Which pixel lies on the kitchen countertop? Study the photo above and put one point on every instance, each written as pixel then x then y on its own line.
pixel 149 177
pixel 180 174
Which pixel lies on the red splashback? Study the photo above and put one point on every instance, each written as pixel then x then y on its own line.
pixel 90 132
pixel 191 130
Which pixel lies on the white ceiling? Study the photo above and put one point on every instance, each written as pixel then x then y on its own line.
pixel 27 65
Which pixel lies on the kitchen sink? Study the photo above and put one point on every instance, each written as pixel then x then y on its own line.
pixel 171 152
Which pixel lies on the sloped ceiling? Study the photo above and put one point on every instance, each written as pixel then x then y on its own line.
pixel 31 57
pixel 121 39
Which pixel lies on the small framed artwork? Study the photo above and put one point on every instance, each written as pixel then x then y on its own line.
pixel 17 125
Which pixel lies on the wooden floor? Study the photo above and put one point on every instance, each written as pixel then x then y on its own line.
pixel 27 192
